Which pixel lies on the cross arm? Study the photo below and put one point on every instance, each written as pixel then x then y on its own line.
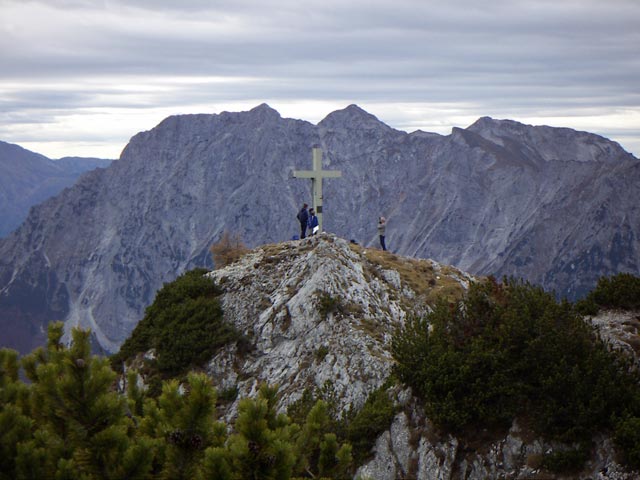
pixel 304 173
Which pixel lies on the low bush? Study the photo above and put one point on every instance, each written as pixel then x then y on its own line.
pixel 363 429
pixel 360 428
pixel 566 461
pixel 328 305
pixel 321 352
pixel 627 437
pixel 620 291
pixel 510 349
pixel 184 325
pixel 228 250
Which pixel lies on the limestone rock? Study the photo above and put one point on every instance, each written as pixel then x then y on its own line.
pixel 319 311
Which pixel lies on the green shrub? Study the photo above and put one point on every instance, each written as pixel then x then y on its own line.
pixel 587 306
pixel 619 291
pixel 228 395
pixel 359 428
pixel 375 417
pixel 328 304
pixel 627 437
pixel 321 352
pixel 511 349
pixel 184 324
pixel 566 461
pixel 299 409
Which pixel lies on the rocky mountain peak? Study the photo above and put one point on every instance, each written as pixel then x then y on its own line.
pixel 551 143
pixel 322 310
pixel 265 112
pixel 489 122
pixel 353 117
pixel 28 178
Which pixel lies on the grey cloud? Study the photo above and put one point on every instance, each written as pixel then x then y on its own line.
pixel 502 55
pixel 476 47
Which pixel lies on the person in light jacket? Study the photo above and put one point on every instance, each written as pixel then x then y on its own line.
pixel 313 222
pixel 382 227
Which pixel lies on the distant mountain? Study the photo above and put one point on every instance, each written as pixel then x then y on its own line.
pixel 28 178
pixel 79 165
pixel 554 206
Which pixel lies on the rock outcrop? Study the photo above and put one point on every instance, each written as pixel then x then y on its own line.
pixel 323 310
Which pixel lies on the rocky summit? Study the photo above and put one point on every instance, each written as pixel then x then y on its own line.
pixel 554 206
pixel 323 310
pixel 319 315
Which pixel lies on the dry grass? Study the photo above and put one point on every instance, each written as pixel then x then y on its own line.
pixel 417 274
pixel 446 288
pixel 274 253
pixel 275 249
pixel 373 328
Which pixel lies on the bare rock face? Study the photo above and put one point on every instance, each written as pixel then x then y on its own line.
pixel 621 331
pixel 553 206
pixel 516 456
pixel 321 311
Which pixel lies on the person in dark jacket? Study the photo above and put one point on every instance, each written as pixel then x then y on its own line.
pixel 382 227
pixel 313 222
pixel 303 218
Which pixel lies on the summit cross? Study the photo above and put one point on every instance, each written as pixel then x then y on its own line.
pixel 316 175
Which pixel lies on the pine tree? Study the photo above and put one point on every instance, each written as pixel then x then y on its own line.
pixel 308 442
pixel 82 431
pixel 216 465
pixel 182 424
pixel 318 452
pixel 15 426
pixel 263 448
pixel 69 423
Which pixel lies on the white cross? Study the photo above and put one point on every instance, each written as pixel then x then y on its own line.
pixel 316 175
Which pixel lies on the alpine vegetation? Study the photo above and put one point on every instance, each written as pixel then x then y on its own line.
pixel 320 358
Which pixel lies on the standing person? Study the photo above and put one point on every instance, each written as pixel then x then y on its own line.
pixel 303 218
pixel 382 227
pixel 313 222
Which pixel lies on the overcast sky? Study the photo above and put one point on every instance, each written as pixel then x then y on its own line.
pixel 80 77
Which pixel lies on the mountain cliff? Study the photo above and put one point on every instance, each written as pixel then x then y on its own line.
pixel 554 206
pixel 27 178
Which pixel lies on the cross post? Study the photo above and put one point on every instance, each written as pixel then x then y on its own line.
pixel 316 175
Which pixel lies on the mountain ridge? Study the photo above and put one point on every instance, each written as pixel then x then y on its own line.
pixel 28 178
pixel 95 254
